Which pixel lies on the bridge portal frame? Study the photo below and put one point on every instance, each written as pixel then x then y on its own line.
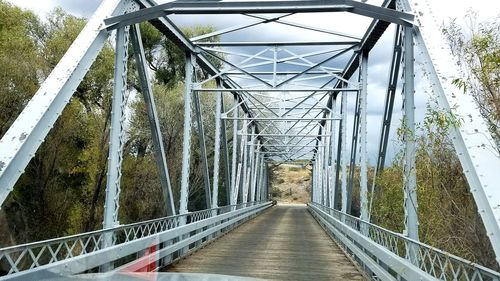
pixel 471 140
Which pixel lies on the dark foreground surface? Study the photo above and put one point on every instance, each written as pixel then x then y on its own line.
pixel 283 243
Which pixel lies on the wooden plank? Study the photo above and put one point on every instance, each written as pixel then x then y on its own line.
pixel 283 243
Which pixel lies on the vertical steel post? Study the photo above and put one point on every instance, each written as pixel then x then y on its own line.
pixel 257 171
pixel 322 175
pixel 203 148
pixel 319 187
pixel 217 138
pixel 186 145
pixel 354 149
pixel 238 189
pixel 388 109
pixel 154 123
pixel 252 166
pixel 266 181
pixel 260 177
pixel 227 169
pixel 244 162
pixel 315 181
pixel 235 153
pixel 410 179
pixel 338 189
pixel 333 156
pixel 344 161
pixel 363 141
pixel 112 201
pixel 326 160
pixel 116 141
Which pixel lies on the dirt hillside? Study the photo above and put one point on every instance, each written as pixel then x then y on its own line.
pixel 291 184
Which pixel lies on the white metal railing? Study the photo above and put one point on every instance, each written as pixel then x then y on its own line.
pixel 388 255
pixel 78 253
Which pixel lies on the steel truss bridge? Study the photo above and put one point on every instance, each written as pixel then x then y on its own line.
pixel 286 101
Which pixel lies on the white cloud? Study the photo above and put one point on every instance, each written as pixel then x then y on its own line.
pixel 80 8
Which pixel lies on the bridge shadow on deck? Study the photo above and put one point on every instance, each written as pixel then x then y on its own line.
pixel 283 243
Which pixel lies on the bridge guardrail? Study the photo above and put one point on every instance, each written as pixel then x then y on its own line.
pixel 31 256
pixel 405 258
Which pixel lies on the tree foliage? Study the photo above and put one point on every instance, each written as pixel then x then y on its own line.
pixel 477 51
pixel 63 187
pixel 447 213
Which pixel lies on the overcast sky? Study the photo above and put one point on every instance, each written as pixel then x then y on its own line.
pixel 379 57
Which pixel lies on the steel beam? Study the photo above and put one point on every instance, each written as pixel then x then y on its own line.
pixel 343 135
pixel 116 133
pixel 389 100
pixel 217 138
pixel 225 149
pixel 186 145
pixel 174 34
pixel 326 162
pixel 271 90
pixel 332 161
pixel 156 135
pixel 338 191
pixel 275 44
pixel 203 148
pixel 363 140
pixel 250 178
pixel 307 27
pixel 370 38
pixel 410 173
pixel 28 131
pixel 354 149
pixel 262 7
pixel 244 163
pixel 388 109
pixel 234 157
pixel 472 140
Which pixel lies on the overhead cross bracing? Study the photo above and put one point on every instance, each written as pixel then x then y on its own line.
pixel 295 77
pixel 279 96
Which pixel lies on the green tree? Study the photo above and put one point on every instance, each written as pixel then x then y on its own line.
pixel 54 195
pixel 19 61
pixel 477 51
pixel 447 213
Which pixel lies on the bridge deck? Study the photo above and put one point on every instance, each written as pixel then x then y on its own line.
pixel 284 243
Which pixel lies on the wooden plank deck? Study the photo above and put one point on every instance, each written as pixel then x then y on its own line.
pixel 283 243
